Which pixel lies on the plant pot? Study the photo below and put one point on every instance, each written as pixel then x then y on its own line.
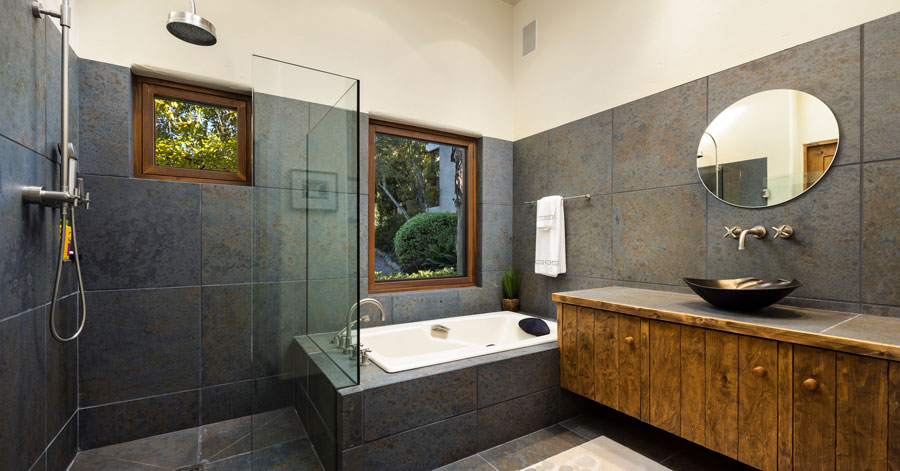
pixel 510 304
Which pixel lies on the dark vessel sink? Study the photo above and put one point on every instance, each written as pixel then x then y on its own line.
pixel 742 294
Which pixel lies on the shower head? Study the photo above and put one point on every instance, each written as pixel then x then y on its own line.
pixel 191 27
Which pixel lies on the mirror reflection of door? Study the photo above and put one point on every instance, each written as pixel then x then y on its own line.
pixel 816 159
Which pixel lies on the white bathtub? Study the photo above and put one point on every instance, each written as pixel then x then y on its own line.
pixel 414 345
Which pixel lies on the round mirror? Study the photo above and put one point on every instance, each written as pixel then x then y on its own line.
pixel 767 148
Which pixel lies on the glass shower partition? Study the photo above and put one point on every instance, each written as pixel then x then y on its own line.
pixel 305 254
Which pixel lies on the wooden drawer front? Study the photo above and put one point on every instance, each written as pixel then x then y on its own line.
pixel 606 358
pixel 722 392
pixel 665 376
pixel 814 409
pixel 862 413
pixel 758 403
pixel 630 361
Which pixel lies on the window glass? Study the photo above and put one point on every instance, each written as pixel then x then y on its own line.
pixel 195 136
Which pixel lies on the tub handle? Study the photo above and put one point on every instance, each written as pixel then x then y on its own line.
pixel 440 328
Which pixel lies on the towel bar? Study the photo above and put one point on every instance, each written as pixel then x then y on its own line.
pixel 587 196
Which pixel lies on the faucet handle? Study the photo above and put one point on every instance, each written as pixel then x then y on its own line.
pixel 783 232
pixel 732 232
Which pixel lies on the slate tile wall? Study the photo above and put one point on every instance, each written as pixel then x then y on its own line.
pixel 651 222
pixel 195 290
pixel 38 390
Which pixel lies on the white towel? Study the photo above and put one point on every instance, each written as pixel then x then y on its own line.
pixel 550 237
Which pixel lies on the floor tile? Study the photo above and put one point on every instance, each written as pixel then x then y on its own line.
pixel 217 440
pixel 170 450
pixel 90 461
pixel 472 463
pixel 532 448
pixel 644 439
pixel 598 454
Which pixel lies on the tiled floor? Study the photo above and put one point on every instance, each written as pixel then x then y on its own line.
pixel 277 439
pixel 630 444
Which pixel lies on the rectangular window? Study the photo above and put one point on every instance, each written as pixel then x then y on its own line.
pixel 421 208
pixel 189 133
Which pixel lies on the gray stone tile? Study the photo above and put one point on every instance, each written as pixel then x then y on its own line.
pixel 495 171
pixel 132 420
pixel 404 406
pixel 139 343
pixel 169 450
pixel 880 244
pixel 276 427
pixel 363 240
pixel 323 397
pixel 523 233
pixel 333 148
pixel 589 237
pixel 570 283
pixel 658 234
pixel 823 253
pixel 352 459
pixel 22 78
pixel 224 439
pixel 350 419
pixel 140 234
pixel 581 156
pixel 225 341
pixel 87 461
pixel 106 120
pixel 62 450
pixel 280 127
pixel 279 314
pixel 332 239
pixel 495 241
pixel 885 311
pixel 533 295
pixel 877 329
pixel 225 402
pixel 484 298
pixel 272 393
pixel 28 237
pixel 823 304
pixel 23 363
pixel 363 153
pixel 280 239
pixel 322 440
pixel 505 421
pixel 62 367
pixel 226 234
pixel 530 157
pixel 642 438
pixel 800 68
pixel 881 80
pixel 472 463
pixel 533 448
pixel 53 92
pixel 298 454
pixel 427 447
pixel 519 376
pixel 655 138
pixel 329 307
pixel 424 305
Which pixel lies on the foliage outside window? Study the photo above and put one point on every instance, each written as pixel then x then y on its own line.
pixel 189 133
pixel 421 208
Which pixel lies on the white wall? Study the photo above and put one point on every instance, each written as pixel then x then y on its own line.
pixel 593 55
pixel 439 62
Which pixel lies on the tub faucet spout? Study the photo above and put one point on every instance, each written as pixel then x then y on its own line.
pixel 758 231
pixel 346 336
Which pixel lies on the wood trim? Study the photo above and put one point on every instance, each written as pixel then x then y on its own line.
pixel 811 339
pixel 145 89
pixel 403 130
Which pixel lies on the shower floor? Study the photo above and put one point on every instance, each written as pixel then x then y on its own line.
pixel 278 441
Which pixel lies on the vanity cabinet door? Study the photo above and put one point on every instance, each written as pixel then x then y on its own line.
pixel 722 365
pixel 693 384
pixel 862 413
pixel 567 325
pixel 630 365
pixel 894 416
pixel 585 345
pixel 758 403
pixel 606 358
pixel 665 376
pixel 814 409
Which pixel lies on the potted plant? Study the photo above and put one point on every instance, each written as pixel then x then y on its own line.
pixel 512 278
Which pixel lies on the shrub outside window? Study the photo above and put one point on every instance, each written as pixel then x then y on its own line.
pixel 421 208
pixel 189 133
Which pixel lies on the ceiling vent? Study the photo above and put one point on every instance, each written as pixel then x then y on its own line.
pixel 529 38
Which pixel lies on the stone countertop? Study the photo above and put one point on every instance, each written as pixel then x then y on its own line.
pixel 847 332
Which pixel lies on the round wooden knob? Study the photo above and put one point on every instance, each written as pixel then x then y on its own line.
pixel 629 340
pixel 810 384
pixel 759 371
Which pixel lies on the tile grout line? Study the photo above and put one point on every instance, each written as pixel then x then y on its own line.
pixel 840 323
pixel 862 183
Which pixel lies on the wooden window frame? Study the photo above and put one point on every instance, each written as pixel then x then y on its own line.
pixel 145 90
pixel 402 130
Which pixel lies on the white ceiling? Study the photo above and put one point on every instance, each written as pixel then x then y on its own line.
pixel 511 2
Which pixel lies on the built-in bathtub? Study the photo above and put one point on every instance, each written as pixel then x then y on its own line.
pixel 416 344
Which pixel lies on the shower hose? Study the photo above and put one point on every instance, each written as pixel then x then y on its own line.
pixel 59 264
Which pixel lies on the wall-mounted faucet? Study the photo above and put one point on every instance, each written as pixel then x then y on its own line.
pixel 344 338
pixel 757 231
pixel 783 232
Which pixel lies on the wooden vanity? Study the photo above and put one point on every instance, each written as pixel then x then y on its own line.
pixel 780 389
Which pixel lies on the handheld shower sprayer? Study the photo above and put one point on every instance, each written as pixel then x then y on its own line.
pixel 71 193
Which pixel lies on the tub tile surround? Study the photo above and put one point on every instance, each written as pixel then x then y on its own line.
pixel 467 406
pixel 39 391
pixel 665 226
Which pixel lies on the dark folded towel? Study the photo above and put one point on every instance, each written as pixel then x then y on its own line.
pixel 534 326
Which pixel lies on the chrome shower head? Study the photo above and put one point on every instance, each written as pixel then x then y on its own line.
pixel 191 27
